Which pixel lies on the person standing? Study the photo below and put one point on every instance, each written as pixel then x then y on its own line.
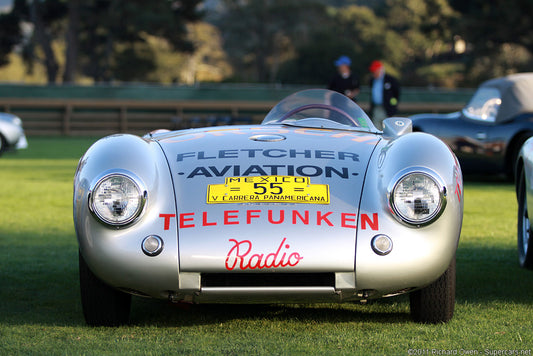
pixel 345 82
pixel 384 94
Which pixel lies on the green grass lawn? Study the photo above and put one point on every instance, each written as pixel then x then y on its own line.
pixel 40 311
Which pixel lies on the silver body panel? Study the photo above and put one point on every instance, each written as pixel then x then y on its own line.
pixel 12 131
pixel 269 240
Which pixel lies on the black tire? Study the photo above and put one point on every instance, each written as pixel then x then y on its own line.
pixel 3 144
pixel 435 303
pixel 102 305
pixel 525 251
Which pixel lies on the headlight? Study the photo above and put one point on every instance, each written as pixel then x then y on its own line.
pixel 417 198
pixel 117 200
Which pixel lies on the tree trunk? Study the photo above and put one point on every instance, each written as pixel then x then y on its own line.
pixel 71 52
pixel 44 41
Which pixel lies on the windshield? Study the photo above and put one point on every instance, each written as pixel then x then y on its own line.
pixel 320 108
pixel 484 105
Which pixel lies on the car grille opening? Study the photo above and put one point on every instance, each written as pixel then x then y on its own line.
pixel 268 280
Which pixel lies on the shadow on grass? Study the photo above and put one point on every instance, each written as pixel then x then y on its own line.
pixel 160 313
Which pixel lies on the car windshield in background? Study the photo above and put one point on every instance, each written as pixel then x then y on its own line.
pixel 320 108
pixel 484 105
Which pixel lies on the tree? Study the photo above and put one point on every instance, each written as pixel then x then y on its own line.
pixel 355 31
pixel 209 61
pixel 488 24
pixel 423 39
pixel 45 16
pixel 424 27
pixel 112 35
pixel 259 35
pixel 10 35
pixel 71 37
pixel 405 34
pixel 104 36
pixel 500 35
pixel 42 18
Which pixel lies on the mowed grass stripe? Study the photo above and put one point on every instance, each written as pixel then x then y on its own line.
pixel 40 310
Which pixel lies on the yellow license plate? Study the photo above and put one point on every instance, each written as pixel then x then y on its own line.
pixel 268 189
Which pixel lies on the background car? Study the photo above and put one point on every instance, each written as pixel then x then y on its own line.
pixel 487 134
pixel 314 205
pixel 524 193
pixel 11 133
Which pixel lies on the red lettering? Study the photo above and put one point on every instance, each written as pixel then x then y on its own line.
pixel 374 223
pixel 184 219
pixel 234 256
pixel 204 220
pixel 320 218
pixel 237 257
pixel 281 217
pixel 345 219
pixel 458 190
pixel 166 221
pixel 233 217
pixel 255 264
pixel 250 215
pixel 274 255
pixel 304 219
pixel 295 258
pixel 231 214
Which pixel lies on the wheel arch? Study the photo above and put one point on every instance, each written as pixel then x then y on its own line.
pixel 513 150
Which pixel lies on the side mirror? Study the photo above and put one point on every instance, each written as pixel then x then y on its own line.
pixel 396 126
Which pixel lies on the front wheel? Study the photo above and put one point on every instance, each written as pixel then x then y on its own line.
pixel 436 302
pixel 102 305
pixel 525 251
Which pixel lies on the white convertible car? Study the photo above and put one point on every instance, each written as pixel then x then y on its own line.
pixel 313 205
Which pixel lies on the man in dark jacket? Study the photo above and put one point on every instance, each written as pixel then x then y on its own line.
pixel 385 94
pixel 344 82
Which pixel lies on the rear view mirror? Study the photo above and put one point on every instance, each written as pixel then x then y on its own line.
pixel 396 126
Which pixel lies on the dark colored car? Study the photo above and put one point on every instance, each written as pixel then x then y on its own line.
pixel 488 133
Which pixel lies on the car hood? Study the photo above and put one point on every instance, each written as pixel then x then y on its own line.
pixel 214 169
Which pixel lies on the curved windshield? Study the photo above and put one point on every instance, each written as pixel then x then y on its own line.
pixel 484 105
pixel 320 108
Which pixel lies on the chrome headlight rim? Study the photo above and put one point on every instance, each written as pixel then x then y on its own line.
pixel 143 196
pixel 439 183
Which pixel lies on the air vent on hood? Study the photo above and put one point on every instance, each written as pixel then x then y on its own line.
pixel 267 138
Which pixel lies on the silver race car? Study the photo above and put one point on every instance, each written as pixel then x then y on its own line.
pixel 313 205
pixel 11 133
